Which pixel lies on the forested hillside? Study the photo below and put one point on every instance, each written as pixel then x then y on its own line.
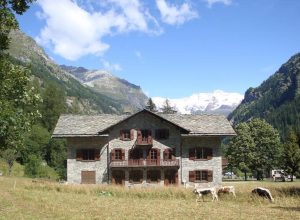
pixel 277 100
pixel 79 98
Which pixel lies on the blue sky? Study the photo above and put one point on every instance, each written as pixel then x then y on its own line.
pixel 170 48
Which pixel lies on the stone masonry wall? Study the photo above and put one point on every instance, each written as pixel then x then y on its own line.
pixel 215 164
pixel 74 167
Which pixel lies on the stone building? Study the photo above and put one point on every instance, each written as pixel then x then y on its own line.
pixel 144 148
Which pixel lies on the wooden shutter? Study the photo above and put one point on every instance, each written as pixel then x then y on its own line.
pixel 149 137
pixel 139 137
pixel 79 154
pixel 192 153
pixel 192 176
pixel 112 154
pixel 123 154
pixel 209 153
pixel 166 154
pixel 121 135
pixel 158 156
pixel 131 134
pixel 209 175
pixel 97 154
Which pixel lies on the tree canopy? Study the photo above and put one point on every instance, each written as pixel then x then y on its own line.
pixel 256 147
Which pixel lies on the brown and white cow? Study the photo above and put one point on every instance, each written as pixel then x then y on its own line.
pixel 226 189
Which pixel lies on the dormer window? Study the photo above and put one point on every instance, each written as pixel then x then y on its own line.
pixel 126 135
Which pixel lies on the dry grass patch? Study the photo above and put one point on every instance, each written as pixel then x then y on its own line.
pixel 43 200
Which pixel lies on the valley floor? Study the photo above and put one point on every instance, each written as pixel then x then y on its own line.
pixel 21 198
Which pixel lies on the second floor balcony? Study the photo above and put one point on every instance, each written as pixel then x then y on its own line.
pixel 145 163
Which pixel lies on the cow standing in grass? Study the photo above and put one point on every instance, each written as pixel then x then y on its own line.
pixel 204 191
pixel 226 189
pixel 263 192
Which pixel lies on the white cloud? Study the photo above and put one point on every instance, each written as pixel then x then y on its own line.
pixel 72 31
pixel 113 67
pixel 211 2
pixel 175 15
pixel 138 54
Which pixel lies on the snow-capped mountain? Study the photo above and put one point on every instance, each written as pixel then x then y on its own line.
pixel 216 102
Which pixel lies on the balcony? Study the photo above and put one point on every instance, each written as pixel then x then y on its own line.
pixel 144 141
pixel 145 163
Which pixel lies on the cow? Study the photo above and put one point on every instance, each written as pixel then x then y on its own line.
pixel 263 192
pixel 204 191
pixel 226 189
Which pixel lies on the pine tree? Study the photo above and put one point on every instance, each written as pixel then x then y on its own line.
pixel 151 106
pixel 291 154
pixel 167 108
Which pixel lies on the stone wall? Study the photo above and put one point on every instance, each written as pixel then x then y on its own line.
pixel 214 164
pixel 75 167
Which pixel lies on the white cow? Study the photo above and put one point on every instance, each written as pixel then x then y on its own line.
pixel 204 191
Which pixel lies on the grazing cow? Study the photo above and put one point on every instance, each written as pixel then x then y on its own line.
pixel 204 191
pixel 263 192
pixel 226 189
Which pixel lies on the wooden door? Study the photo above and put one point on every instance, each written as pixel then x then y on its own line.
pixel 88 177
pixel 171 177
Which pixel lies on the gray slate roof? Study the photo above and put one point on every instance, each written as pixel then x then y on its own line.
pixel 83 125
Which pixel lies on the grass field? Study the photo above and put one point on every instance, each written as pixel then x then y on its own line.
pixel 46 200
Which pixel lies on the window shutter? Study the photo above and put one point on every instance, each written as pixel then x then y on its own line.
pixel 123 154
pixel 158 156
pixel 192 176
pixel 121 135
pixel 166 154
pixel 209 153
pixel 112 154
pixel 192 153
pixel 149 154
pixel 149 137
pixel 97 154
pixel 131 134
pixel 209 175
pixel 79 154
pixel 139 136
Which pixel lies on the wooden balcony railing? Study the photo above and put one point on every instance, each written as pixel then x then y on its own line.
pixel 144 163
pixel 144 140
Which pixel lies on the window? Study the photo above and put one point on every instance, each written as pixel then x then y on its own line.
pixel 136 154
pixel 126 135
pixel 200 153
pixel 135 176
pixel 201 176
pixel 118 154
pixel 161 134
pixel 153 154
pixel 144 136
pixel 87 154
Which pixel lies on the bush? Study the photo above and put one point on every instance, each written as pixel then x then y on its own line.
pixel 17 169
pixel 35 168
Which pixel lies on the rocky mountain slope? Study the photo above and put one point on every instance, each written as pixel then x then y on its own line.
pixel 218 102
pixel 128 94
pixel 277 99
pixel 25 51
